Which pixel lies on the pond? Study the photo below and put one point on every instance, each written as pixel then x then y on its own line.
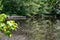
pixel 35 29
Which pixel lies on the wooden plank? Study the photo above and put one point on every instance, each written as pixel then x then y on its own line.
pixel 16 17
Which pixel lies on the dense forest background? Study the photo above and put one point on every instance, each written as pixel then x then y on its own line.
pixel 29 7
pixel 42 28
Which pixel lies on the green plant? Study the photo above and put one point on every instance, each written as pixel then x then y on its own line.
pixel 7 26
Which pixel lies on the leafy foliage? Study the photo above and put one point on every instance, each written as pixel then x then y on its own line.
pixel 20 7
pixel 30 7
pixel 7 26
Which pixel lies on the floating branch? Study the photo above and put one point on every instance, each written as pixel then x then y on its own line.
pixel 16 17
